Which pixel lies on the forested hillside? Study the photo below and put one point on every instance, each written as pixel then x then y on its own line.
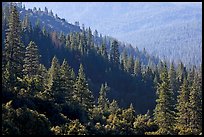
pixel 169 30
pixel 56 84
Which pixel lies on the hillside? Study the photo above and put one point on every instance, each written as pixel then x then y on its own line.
pixel 48 20
pixel 97 69
pixel 81 83
pixel 157 27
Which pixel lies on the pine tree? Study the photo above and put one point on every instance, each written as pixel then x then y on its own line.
pixel 103 101
pixel 67 83
pixel 124 61
pixel 42 76
pixel 54 81
pixel 181 72
pixel 26 30
pixel 31 60
pixel 137 69
pixel 183 115
pixel 46 10
pixel 190 76
pixel 13 54
pixel 82 94
pixel 164 110
pixel 173 81
pixel 26 24
pixel 90 38
pixel 125 124
pixel 103 50
pixel 113 107
pixel 114 53
pixel 130 65
pixel 196 106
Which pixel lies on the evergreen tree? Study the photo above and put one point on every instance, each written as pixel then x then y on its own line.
pixel 124 60
pixel 190 76
pixel 130 65
pixel 82 94
pixel 103 101
pixel 103 50
pixel 114 53
pixel 90 38
pixel 137 68
pixel 183 115
pixel 31 60
pixel 181 72
pixel 164 110
pixel 173 81
pixel 46 10
pixel 66 78
pixel 195 106
pixel 42 77
pixel 13 54
pixel 26 30
pixel 26 24
pixel 54 80
pixel 113 107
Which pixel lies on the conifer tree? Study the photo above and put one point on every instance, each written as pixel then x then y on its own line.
pixel 54 80
pixel 31 60
pixel 67 83
pixel 13 54
pixel 195 109
pixel 103 50
pixel 26 24
pixel 164 110
pixel 42 76
pixel 124 60
pixel 82 94
pixel 173 81
pixel 113 107
pixel 103 101
pixel 190 76
pixel 137 69
pixel 114 53
pixel 130 64
pixel 183 115
pixel 181 72
pixel 90 38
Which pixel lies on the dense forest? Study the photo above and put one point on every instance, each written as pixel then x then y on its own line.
pixel 57 84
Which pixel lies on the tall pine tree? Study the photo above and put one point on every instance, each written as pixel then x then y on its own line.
pixel 114 53
pixel 183 116
pixel 195 101
pixel 164 110
pixel 31 60
pixel 82 94
pixel 13 54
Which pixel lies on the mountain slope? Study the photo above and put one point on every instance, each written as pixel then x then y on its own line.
pixel 169 30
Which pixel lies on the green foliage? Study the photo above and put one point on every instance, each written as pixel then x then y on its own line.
pixel 137 68
pixel 183 115
pixel 31 60
pixel 73 128
pixel 82 94
pixel 24 121
pixel 52 100
pixel 143 124
pixel 13 54
pixel 164 110
pixel 103 101
pixel 195 109
pixel 114 53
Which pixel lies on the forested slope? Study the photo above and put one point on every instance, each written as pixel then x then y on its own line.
pixel 54 84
